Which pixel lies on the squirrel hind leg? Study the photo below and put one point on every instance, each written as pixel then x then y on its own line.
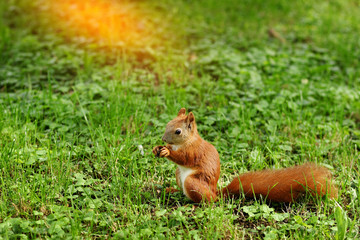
pixel 198 191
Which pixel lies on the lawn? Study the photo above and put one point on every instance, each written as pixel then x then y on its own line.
pixel 87 88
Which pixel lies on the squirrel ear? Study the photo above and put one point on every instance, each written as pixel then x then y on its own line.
pixel 182 112
pixel 190 118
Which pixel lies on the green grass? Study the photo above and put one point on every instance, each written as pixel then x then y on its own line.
pixel 75 107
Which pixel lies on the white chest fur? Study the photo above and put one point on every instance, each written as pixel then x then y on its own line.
pixel 184 173
pixel 175 147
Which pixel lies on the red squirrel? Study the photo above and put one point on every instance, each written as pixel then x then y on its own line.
pixel 199 170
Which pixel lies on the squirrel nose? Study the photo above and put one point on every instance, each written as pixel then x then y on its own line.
pixel 163 138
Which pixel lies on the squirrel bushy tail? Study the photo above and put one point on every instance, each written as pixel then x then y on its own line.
pixel 283 185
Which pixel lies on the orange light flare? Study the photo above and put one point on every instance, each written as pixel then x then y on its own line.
pixel 112 22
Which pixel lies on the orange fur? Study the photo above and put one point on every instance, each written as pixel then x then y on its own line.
pixel 199 169
pixel 283 185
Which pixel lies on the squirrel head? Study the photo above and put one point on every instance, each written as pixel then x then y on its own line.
pixel 181 129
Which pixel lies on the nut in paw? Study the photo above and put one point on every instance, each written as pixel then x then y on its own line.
pixel 164 152
pixel 156 150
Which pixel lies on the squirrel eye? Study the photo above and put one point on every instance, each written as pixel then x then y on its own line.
pixel 178 131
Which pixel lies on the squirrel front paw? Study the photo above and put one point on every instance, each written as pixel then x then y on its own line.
pixel 161 151
pixel 157 150
pixel 164 152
